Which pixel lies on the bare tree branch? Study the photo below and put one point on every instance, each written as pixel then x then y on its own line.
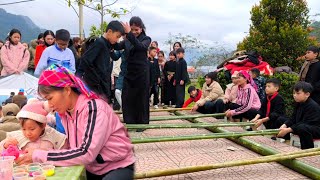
pixel 110 4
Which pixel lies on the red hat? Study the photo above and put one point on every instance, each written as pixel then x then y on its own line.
pixel 34 111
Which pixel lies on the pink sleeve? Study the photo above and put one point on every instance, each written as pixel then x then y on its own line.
pixel 5 60
pixel 247 105
pixel 24 62
pixel 92 141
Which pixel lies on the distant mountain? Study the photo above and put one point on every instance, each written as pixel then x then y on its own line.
pixel 28 29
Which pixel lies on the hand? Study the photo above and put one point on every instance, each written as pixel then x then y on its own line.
pixel 284 131
pixel 26 158
pixel 254 120
pixel 174 83
pixel 126 27
pixel 181 82
pixel 159 80
pixel 258 123
pixel 10 141
pixel 195 107
pixel 225 101
pixel 283 126
pixel 228 113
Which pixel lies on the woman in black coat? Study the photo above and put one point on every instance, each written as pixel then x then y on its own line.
pixel 135 93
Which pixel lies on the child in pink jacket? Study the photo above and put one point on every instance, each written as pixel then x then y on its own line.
pixel 96 137
pixel 248 102
pixel 14 56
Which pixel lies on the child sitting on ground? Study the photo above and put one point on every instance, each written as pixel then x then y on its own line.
pixel 248 102
pixel 195 95
pixel 34 134
pixel 260 82
pixel 272 107
pixel 305 121
pixel 211 100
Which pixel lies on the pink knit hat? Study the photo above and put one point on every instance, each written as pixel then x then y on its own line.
pixel 35 111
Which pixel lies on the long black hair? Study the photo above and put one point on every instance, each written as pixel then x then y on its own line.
pixel 46 33
pixel 13 31
pixel 137 21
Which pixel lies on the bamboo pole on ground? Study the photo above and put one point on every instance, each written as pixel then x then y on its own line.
pixel 264 159
pixel 163 110
pixel 197 125
pixel 166 118
pixel 296 165
pixel 203 136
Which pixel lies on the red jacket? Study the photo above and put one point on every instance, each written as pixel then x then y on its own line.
pixel 192 99
pixel 39 50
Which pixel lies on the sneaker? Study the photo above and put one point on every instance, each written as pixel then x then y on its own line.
pixel 156 106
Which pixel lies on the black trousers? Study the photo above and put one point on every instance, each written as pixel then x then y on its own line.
pixel 180 92
pixel 250 114
pixel 135 104
pixel 210 107
pixel 155 91
pixel 275 123
pixel 169 92
pixel 306 134
pixel 117 174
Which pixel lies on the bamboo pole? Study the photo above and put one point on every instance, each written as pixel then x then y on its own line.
pixel 296 165
pixel 197 125
pixel 265 159
pixel 203 136
pixel 166 118
pixel 163 110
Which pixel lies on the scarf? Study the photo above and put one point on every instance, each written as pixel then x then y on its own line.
pixel 59 76
pixel 249 78
pixel 269 99
pixel 305 69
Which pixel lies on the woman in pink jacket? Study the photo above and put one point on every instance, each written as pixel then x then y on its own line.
pixel 96 137
pixel 248 103
pixel 14 56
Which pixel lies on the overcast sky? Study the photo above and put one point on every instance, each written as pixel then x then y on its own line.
pixel 222 21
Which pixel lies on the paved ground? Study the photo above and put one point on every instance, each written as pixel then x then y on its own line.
pixel 166 155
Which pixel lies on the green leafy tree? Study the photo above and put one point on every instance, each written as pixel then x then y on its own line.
pixel 279 32
pixel 97 31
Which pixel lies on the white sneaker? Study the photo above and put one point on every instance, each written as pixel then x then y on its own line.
pixel 156 106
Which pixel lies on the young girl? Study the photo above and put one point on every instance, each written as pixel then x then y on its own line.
pixel 162 62
pixel 136 83
pixel 34 133
pixel 248 102
pixel 169 71
pixel 176 46
pixel 96 137
pixel 49 39
pixel 14 56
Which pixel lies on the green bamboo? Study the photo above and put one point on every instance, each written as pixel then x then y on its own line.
pixel 163 110
pixel 197 125
pixel 166 118
pixel 265 159
pixel 203 136
pixel 295 165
